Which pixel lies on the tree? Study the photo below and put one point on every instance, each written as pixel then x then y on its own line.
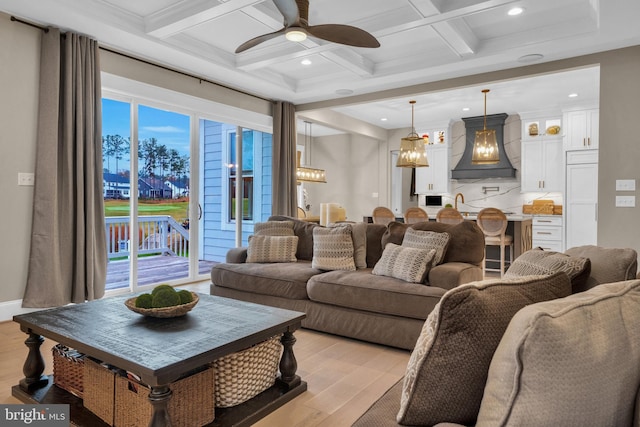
pixel 148 153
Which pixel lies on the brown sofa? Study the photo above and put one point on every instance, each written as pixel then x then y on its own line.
pixel 571 361
pixel 355 304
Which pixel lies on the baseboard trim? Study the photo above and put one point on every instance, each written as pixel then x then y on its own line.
pixel 8 309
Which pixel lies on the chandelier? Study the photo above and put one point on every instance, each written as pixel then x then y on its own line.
pixel 485 147
pixel 412 152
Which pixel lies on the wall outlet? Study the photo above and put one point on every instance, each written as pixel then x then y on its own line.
pixel 27 179
pixel 625 185
pixel 625 201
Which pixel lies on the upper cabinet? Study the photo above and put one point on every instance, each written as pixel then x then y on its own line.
pixel 542 155
pixel 582 128
pixel 434 179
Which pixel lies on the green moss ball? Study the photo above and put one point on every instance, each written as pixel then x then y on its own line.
pixel 165 298
pixel 160 287
pixel 144 301
pixel 185 296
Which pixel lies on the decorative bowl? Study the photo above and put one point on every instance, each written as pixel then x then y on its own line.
pixel 173 311
pixel 553 130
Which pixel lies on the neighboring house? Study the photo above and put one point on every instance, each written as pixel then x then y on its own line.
pixel 115 186
pixel 179 186
pixel 154 188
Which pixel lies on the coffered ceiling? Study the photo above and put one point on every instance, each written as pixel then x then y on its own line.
pixel 421 41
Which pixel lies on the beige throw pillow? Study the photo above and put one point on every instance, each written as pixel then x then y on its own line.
pixel 538 261
pixel 427 240
pixel 359 237
pixel 272 248
pixel 332 249
pixel 404 263
pixel 447 371
pixel 274 228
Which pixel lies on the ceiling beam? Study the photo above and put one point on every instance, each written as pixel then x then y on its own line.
pixel 458 36
pixel 348 124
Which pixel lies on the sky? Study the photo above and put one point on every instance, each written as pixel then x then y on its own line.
pixel 169 128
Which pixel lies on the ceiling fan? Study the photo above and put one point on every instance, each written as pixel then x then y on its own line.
pixel 297 28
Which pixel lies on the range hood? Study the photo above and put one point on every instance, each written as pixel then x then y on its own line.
pixel 465 170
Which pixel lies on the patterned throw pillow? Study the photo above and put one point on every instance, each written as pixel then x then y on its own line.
pixel 359 237
pixel 332 249
pixel 274 228
pixel 538 261
pixel 404 263
pixel 272 248
pixel 448 368
pixel 427 240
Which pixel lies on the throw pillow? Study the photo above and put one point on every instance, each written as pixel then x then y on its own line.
pixel 332 249
pixel 538 261
pixel 568 362
pixel 427 240
pixel 404 263
pixel 447 371
pixel 359 237
pixel 272 248
pixel 274 228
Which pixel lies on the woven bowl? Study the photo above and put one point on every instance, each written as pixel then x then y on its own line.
pixel 173 311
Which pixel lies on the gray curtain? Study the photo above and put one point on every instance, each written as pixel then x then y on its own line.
pixel 284 181
pixel 68 259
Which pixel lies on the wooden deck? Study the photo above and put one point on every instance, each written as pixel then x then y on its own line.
pixel 153 269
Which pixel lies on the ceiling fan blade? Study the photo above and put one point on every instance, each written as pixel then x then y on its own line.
pixel 257 40
pixel 288 9
pixel 343 34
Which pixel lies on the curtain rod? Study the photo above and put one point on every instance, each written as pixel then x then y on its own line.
pixel 200 79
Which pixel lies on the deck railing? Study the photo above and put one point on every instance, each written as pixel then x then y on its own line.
pixel 157 234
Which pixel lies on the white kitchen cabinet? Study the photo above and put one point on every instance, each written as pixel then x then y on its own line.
pixel 434 179
pixel 581 199
pixel 542 164
pixel 547 233
pixel 582 129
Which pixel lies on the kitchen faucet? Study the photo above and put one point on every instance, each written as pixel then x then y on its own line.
pixel 456 200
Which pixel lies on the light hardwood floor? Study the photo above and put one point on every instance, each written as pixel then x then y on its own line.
pixel 344 376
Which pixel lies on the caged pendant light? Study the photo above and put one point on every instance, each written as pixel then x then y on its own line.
pixel 485 147
pixel 412 152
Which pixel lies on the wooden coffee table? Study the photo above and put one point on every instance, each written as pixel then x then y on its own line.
pixel 160 350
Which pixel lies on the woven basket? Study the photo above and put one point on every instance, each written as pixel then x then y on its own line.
pixel 99 390
pixel 247 373
pixel 191 403
pixel 173 311
pixel 68 369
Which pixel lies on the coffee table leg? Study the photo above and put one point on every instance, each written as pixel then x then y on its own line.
pixel 159 398
pixel 34 365
pixel 288 363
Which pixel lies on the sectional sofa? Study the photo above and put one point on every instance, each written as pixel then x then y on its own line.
pixel 357 303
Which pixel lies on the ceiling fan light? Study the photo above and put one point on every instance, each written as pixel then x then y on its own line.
pixel 296 35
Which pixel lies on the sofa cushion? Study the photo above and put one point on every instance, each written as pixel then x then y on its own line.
pixel 405 263
pixel 361 290
pixel 466 243
pixel 539 262
pixel 274 228
pixel 287 280
pixel 447 371
pixel 569 362
pixel 427 240
pixel 607 264
pixel 272 248
pixel 304 231
pixel 374 243
pixel 333 248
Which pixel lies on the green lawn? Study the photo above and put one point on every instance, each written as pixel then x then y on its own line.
pixel 175 208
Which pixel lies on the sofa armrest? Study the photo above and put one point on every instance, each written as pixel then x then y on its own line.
pixel 237 255
pixel 451 274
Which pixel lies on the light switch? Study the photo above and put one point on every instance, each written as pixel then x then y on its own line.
pixel 625 185
pixel 27 179
pixel 625 201
pixel 374 195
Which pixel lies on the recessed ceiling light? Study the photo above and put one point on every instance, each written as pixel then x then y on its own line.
pixel 573 95
pixel 530 58
pixel 384 119
pixel 344 92
pixel 466 109
pixel 514 11
pixel 306 61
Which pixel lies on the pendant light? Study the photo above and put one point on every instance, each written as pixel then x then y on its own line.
pixel 412 152
pixel 485 147
pixel 307 174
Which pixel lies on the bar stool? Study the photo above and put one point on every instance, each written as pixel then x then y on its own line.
pixel 449 216
pixel 493 223
pixel 415 214
pixel 382 215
